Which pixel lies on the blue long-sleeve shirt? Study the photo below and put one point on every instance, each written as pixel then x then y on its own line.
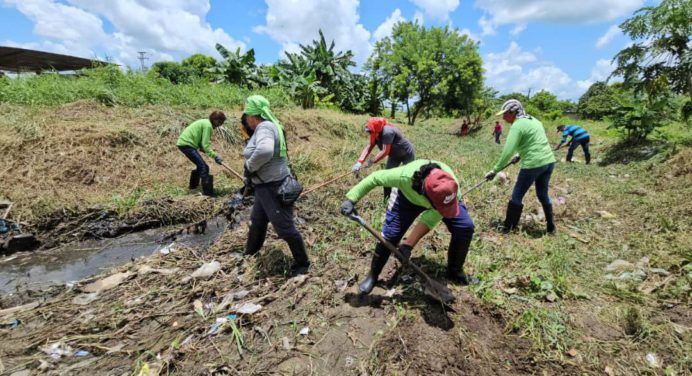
pixel 577 133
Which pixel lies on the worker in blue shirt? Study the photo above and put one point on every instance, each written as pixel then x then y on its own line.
pixel 579 137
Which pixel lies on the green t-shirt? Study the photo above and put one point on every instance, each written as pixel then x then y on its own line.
pixel 198 136
pixel 402 178
pixel 527 137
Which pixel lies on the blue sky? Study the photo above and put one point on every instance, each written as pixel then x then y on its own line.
pixel 561 46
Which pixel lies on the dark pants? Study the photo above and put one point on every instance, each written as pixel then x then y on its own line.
pixel 393 163
pixel 527 177
pixel 497 137
pixel 268 209
pixel 402 214
pixel 584 142
pixel 193 155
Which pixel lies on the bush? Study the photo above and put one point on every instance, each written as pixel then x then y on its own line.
pixel 636 119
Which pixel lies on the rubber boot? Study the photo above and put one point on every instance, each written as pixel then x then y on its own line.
pixel 512 217
pixel 255 239
pixel 301 264
pixel 549 220
pixel 208 185
pixel 379 259
pixel 587 157
pixel 456 257
pixel 194 179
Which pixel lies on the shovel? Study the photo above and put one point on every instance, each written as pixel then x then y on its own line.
pixel 514 160
pixel 434 289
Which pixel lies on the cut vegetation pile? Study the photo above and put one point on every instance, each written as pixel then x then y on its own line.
pixel 610 293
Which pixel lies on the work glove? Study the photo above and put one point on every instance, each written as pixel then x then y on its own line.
pixel 218 159
pixel 356 167
pixel 515 159
pixel 490 175
pixel 405 251
pixel 368 163
pixel 347 207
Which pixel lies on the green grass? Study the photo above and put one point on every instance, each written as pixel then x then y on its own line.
pixel 110 86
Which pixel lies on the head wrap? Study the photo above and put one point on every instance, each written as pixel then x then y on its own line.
pixel 513 105
pixel 258 105
pixel 375 127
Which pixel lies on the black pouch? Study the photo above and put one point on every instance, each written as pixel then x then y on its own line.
pixel 289 190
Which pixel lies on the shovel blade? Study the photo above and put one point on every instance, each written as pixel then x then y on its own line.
pixel 439 292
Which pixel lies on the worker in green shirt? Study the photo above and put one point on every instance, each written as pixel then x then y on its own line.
pixel 527 137
pixel 197 136
pixel 423 186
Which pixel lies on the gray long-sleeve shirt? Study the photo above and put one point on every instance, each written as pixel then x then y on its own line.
pixel 262 155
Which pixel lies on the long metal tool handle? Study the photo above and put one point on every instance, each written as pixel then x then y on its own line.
pixel 326 183
pixel 239 176
pixel 390 246
pixel 485 180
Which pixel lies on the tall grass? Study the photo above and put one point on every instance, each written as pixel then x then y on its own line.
pixel 111 86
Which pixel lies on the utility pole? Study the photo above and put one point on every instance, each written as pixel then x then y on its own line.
pixel 528 95
pixel 142 57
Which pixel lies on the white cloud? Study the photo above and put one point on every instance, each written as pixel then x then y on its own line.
pixel 612 32
pixel 517 30
pixel 515 70
pixel 288 21
pixel 165 29
pixel 418 17
pixel 437 9
pixel 385 29
pixel 565 11
pixel 600 72
pixel 487 26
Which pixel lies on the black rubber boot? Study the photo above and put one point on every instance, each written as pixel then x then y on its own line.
pixel 194 179
pixel 255 239
pixel 456 257
pixel 549 220
pixel 208 185
pixel 512 217
pixel 379 259
pixel 588 158
pixel 301 264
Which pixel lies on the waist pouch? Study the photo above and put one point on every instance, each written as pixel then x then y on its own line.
pixel 289 190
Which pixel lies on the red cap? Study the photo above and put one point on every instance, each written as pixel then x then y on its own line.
pixel 441 190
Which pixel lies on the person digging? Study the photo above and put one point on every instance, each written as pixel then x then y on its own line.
pixel 527 137
pixel 427 188
pixel 392 144
pixel 579 137
pixel 197 136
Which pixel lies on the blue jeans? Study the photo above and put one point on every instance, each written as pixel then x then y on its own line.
pixel 584 145
pixel 193 155
pixel 526 178
pixel 402 214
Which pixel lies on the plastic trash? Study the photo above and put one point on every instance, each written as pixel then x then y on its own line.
pixel 58 350
pixel 247 308
pixel 652 360
pixel 167 249
pixel 12 324
pixel 305 331
pixel 82 353
pixel 207 270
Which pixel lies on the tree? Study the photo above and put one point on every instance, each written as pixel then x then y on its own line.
pixel 598 101
pixel 661 56
pixel 172 71
pixel 236 68
pixel 435 68
pixel 200 66
pixel 636 118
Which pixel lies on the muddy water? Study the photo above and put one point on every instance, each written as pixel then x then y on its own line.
pixel 75 261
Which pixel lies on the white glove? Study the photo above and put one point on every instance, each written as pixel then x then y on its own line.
pixel 356 167
pixel 368 163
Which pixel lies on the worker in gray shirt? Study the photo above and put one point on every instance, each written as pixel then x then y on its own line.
pixel 265 169
pixel 391 143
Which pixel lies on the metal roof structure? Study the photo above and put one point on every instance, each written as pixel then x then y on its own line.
pixel 23 60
